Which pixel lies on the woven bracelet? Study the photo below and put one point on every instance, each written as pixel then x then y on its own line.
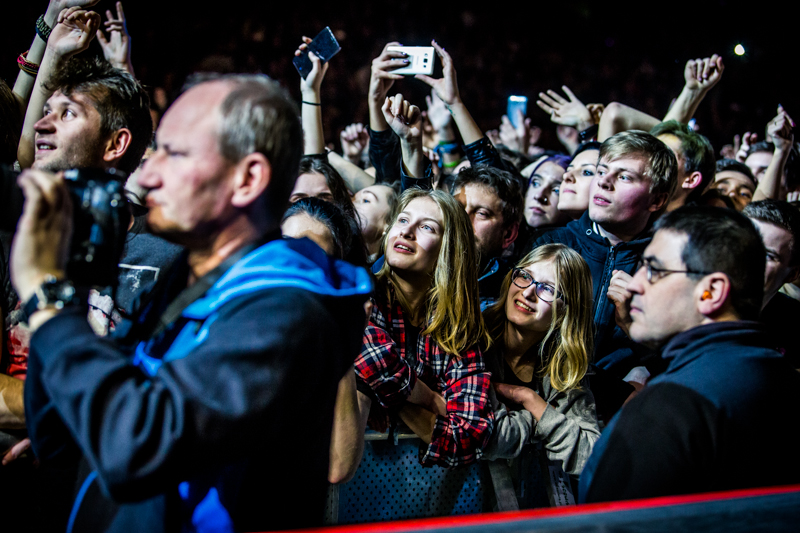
pixel 26 66
pixel 42 29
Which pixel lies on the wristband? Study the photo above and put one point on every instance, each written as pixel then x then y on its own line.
pixel 42 29
pixel 588 134
pixel 310 103
pixel 26 66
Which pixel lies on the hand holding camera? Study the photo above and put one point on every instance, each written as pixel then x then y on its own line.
pixel 41 243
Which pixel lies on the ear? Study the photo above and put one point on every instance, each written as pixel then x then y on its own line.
pixel 252 177
pixel 117 145
pixel 692 180
pixel 712 295
pixel 659 201
pixel 510 235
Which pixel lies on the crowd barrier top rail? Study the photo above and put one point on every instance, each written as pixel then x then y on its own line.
pixel 762 509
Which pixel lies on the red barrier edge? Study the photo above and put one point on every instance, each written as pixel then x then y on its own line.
pixel 534 514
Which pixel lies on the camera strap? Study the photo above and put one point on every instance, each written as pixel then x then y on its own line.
pixel 190 294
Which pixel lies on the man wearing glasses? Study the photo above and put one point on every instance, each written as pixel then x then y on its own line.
pixel 724 395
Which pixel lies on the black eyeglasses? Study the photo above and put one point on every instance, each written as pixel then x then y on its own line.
pixel 544 291
pixel 662 272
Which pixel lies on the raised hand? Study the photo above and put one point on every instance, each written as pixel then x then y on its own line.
pixel 74 31
pixel 748 139
pixel 354 139
pixel 445 87
pixel 404 119
pixel 117 45
pixel 619 294
pixel 703 74
pixel 565 112
pixel 779 130
pixel 313 82
pixel 516 138
pixel 381 76
pixel 437 112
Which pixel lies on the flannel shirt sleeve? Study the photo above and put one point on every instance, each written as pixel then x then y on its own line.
pixel 381 366
pixel 459 437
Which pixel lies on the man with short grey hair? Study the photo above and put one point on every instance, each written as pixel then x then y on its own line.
pixel 185 422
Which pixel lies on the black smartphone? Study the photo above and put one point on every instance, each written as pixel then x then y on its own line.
pixel 324 45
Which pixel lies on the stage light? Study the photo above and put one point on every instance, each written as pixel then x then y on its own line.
pixel 738 50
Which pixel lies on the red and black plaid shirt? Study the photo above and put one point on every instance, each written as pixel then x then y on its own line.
pixel 391 373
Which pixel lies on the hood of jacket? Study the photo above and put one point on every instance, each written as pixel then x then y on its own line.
pixel 297 263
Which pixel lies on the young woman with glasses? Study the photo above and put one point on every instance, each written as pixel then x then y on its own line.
pixel 542 342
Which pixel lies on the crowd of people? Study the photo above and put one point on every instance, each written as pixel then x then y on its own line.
pixel 619 310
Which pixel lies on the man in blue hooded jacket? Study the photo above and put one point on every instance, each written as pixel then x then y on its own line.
pixel 215 411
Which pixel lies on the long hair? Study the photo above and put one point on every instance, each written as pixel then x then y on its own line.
pixel 564 353
pixel 452 308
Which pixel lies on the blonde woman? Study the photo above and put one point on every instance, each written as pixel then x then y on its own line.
pixel 425 331
pixel 542 341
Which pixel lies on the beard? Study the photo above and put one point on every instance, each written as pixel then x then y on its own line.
pixel 86 154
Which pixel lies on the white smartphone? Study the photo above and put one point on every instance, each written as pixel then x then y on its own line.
pixel 420 60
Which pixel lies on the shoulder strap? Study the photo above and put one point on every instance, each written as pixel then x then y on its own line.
pixel 503 486
pixel 190 294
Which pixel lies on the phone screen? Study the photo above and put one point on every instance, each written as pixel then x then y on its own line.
pixel 514 103
pixel 324 45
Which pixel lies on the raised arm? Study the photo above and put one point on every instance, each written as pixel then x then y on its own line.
pixel 779 130
pixel 618 117
pixel 446 88
pixel 405 120
pixel 117 46
pixel 700 76
pixel 72 34
pixel 311 110
pixel 23 87
pixel 384 148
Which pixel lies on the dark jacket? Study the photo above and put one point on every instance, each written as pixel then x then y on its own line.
pixel 614 351
pixel 720 417
pixel 225 417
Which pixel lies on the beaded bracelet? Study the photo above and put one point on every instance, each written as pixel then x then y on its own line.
pixel 42 29
pixel 26 66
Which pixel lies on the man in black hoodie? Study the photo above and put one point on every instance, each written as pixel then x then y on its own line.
pixel 720 416
pixel 636 175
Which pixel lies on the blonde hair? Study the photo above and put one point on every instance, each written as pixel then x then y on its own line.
pixel 568 344
pixel 452 308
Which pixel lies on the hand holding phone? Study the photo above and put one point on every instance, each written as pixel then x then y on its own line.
pixel 420 59
pixel 324 46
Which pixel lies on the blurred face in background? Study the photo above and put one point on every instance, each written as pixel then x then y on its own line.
pixel 573 198
pixel 541 198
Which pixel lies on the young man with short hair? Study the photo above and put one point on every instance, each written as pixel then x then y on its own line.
pixel 636 175
pixel 779 225
pixel 695 157
pixel 493 201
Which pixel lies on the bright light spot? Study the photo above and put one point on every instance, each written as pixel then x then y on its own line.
pixel 738 50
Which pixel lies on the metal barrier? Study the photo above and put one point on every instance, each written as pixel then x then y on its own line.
pixel 391 484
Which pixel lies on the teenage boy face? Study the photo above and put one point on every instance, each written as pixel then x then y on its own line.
pixel 620 193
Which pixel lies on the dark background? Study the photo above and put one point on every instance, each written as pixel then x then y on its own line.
pixel 633 53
